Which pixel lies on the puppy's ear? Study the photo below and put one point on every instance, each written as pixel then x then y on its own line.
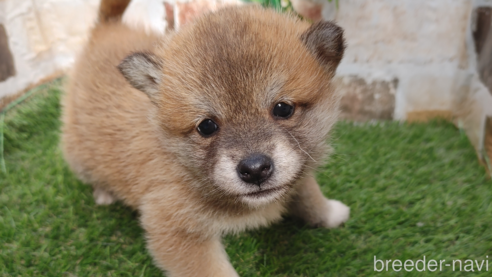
pixel 325 41
pixel 144 72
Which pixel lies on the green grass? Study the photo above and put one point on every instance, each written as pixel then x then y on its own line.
pixel 414 190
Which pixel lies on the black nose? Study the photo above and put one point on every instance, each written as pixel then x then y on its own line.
pixel 255 169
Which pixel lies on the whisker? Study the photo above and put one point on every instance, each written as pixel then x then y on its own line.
pixel 299 145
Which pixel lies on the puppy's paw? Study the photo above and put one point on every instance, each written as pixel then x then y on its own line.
pixel 103 197
pixel 337 214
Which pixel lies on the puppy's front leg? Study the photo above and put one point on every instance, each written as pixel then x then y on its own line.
pixel 179 247
pixel 311 205
pixel 180 255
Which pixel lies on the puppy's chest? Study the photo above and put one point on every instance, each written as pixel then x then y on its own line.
pixel 260 218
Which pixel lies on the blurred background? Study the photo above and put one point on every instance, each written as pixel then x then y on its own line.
pixel 406 60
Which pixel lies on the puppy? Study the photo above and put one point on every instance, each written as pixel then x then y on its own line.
pixel 214 129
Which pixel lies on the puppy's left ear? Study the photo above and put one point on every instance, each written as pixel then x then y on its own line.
pixel 144 72
pixel 325 41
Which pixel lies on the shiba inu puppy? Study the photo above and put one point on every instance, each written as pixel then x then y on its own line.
pixel 217 128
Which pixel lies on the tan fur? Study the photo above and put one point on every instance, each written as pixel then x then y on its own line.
pixel 143 148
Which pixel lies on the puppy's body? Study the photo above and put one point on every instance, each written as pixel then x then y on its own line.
pixel 232 67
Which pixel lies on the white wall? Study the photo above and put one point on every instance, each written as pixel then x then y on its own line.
pixel 427 46
pixel 43 37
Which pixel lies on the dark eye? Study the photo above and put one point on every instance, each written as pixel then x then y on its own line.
pixel 283 110
pixel 207 127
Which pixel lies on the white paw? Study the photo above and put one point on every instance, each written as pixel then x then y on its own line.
pixel 338 213
pixel 103 197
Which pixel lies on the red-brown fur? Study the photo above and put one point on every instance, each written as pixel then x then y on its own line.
pixel 143 148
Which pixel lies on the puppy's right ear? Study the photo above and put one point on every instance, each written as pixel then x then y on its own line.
pixel 144 72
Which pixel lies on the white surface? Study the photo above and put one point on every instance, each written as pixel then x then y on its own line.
pixel 148 15
pixel 44 36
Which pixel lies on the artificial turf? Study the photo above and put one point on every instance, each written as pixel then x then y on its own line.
pixel 414 190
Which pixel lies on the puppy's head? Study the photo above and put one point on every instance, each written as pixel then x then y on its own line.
pixel 244 100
